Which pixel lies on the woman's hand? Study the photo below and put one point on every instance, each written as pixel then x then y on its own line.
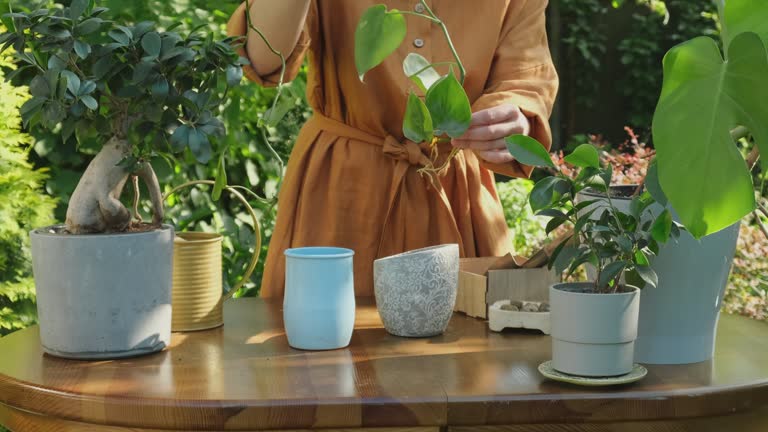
pixel 488 129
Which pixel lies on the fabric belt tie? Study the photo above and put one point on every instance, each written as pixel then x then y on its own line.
pixel 406 153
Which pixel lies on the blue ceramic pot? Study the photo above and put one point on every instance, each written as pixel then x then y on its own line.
pixel 319 302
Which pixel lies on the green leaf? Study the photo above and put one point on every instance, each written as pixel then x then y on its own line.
pixel 745 16
pixel 528 151
pixel 120 37
pixel 234 75
pixel 82 49
pixel 546 192
pixel 583 156
pixel 180 138
pixel 128 163
pixel 417 123
pixel 77 8
pixel 273 115
pixel 378 34
pixel 151 44
pixel 89 26
pixel 564 259
pixel 39 87
pixel 701 171
pixel 90 102
pixel 652 184
pixel 160 87
pixel 418 69
pixel 73 82
pixel 449 106
pixel 610 272
pixel 199 145
pixel 647 274
pixel 662 227
pixel 554 224
pixel 624 242
pixel 641 258
pixel 221 179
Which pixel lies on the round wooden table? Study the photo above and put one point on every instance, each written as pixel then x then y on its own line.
pixel 245 377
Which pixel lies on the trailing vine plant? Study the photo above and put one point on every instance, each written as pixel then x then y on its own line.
pixel 445 111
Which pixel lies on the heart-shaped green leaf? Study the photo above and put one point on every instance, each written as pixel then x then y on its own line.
pixel 378 34
pixel 528 151
pixel 418 69
pixel 585 155
pixel 417 123
pixel 703 98
pixel 449 106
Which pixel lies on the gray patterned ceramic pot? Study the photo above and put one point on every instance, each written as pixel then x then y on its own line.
pixel 416 290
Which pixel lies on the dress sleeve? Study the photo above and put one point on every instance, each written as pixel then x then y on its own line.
pixel 238 26
pixel 522 74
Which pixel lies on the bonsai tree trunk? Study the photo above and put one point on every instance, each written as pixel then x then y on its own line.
pixel 95 205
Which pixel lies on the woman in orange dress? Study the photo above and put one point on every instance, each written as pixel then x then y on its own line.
pixel 352 178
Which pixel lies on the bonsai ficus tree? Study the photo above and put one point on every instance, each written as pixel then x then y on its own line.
pixel 711 98
pixel 618 244
pixel 445 111
pixel 138 91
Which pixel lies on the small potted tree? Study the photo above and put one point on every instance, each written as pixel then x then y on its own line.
pixel 103 279
pixel 594 324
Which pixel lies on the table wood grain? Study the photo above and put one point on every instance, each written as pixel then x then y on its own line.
pixel 244 376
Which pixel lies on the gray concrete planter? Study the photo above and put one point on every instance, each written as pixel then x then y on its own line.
pixel 103 296
pixel 416 291
pixel 679 317
pixel 593 334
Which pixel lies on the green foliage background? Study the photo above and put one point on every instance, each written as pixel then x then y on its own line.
pixel 585 44
pixel 23 207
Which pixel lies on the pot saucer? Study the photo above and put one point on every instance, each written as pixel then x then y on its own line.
pixel 638 372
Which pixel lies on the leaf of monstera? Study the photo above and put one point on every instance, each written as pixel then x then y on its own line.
pixel 417 123
pixel 378 34
pixel 703 98
pixel 418 69
pixel 745 16
pixel 449 106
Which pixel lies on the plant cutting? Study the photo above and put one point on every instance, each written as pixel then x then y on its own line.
pixel 133 93
pixel 445 111
pixel 594 324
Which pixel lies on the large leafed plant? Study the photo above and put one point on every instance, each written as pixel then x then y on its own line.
pixel 712 97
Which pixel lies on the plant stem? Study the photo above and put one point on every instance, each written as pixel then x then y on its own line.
pixel 723 31
pixel 762 209
pixel 399 12
pixel 429 66
pixel 760 224
pixel 271 48
pixel 462 71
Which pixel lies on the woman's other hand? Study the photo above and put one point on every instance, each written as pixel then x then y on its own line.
pixel 488 129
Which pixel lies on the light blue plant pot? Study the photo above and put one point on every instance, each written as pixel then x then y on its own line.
pixel 678 318
pixel 319 302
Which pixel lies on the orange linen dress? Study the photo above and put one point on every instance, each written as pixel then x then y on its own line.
pixel 352 178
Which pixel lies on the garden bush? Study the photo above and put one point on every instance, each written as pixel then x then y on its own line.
pixel 23 206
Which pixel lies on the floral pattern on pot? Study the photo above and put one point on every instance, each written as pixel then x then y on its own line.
pixel 416 291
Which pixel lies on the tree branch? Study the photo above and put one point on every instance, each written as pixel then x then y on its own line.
pixel 147 174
